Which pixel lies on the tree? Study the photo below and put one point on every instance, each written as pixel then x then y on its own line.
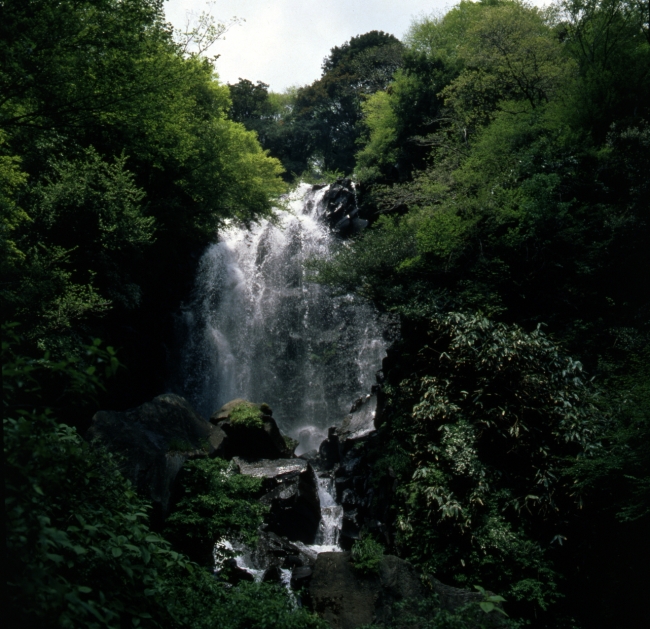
pixel 129 166
pixel 331 106
pixel 524 204
pixel 79 548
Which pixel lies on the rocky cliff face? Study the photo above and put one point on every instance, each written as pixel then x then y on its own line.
pixel 291 494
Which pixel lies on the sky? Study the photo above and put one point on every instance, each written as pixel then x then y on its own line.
pixel 283 42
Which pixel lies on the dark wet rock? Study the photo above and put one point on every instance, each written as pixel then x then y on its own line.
pixel 341 210
pixel 252 442
pixel 273 549
pixel 235 574
pixel 329 451
pixel 345 457
pixel 292 494
pixel 301 577
pixel 348 599
pixel 272 575
pixel 360 423
pixel 153 441
pixel 266 561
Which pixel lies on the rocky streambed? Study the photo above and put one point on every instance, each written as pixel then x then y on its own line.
pixel 318 502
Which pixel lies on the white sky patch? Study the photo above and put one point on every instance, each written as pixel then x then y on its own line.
pixel 284 42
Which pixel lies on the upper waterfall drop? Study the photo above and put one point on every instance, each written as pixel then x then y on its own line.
pixel 259 330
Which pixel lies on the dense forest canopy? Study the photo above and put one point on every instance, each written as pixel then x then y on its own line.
pixel 119 161
pixel 501 153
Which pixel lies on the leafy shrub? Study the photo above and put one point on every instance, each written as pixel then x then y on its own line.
pixel 215 502
pixel 79 549
pixel 620 471
pixel 367 555
pixel 492 417
pixel 247 414
pixel 199 601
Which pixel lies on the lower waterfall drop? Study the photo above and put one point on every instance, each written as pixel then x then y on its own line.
pixel 258 329
pixel 329 528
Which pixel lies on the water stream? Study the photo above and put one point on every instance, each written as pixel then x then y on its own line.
pixel 329 528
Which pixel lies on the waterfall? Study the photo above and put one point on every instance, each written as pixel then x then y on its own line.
pixel 329 528
pixel 259 330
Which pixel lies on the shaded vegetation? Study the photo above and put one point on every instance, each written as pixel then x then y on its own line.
pixel 214 503
pixel 502 153
pixel 119 162
pixel 505 169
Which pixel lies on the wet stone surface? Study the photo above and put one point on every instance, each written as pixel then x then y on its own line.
pixel 291 492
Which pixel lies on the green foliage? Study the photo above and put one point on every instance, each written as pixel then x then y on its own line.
pixel 511 54
pixel 609 41
pixel 87 230
pixel 380 122
pixel 12 179
pixel 490 602
pixel 247 414
pixel 497 416
pixel 199 601
pixel 79 549
pixel 330 108
pixel 214 503
pixel 621 470
pixel 505 161
pixel 367 555
pixel 117 142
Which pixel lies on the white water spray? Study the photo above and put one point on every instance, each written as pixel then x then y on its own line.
pixel 258 329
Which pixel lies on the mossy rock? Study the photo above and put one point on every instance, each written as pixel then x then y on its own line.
pixel 239 404
pixel 246 414
pixel 252 431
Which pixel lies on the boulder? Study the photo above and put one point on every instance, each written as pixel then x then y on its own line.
pixel 273 558
pixel 292 494
pixel 341 210
pixel 251 441
pixel 274 550
pixel 153 441
pixel 348 599
pixel 274 554
pixel 360 423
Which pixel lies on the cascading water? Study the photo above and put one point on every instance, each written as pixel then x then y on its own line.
pixel 329 528
pixel 259 330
